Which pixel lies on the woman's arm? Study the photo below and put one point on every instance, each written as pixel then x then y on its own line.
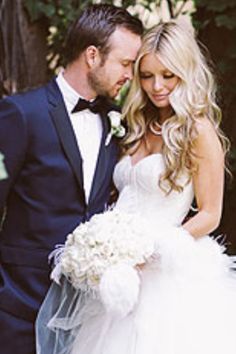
pixel 208 181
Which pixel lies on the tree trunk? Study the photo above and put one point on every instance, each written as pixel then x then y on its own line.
pixel 23 49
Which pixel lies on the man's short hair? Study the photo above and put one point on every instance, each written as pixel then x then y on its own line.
pixel 95 25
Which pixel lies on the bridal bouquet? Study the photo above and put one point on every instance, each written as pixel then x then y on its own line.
pixel 100 256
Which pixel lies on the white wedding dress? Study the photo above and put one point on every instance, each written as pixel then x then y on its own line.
pixel 187 300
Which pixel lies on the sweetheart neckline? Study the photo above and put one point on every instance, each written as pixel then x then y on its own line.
pixel 143 159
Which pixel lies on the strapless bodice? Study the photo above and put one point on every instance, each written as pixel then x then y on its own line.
pixel 139 190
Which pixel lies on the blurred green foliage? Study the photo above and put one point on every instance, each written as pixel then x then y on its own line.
pixel 59 15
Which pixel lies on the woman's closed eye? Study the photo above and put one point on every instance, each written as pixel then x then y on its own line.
pixel 145 75
pixel 148 76
pixel 168 76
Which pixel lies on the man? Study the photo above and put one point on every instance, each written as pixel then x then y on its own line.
pixel 59 167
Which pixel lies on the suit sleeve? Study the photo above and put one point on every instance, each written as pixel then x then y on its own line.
pixel 13 142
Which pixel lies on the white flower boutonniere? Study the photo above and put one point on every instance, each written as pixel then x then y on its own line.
pixel 116 128
pixel 3 172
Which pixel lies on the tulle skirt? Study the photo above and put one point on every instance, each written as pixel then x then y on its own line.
pixel 187 305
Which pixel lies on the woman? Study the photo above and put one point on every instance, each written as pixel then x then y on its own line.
pixel 173 151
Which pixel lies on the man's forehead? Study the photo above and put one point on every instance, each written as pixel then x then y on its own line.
pixel 128 56
pixel 124 44
pixel 123 36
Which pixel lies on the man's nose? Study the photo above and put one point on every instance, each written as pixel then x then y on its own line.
pixel 129 73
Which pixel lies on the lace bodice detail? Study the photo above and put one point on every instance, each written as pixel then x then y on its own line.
pixel 139 190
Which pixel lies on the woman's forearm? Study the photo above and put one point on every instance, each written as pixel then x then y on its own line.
pixel 202 223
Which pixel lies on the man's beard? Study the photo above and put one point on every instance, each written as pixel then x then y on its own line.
pixel 97 84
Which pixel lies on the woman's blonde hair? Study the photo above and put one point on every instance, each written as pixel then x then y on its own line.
pixel 193 98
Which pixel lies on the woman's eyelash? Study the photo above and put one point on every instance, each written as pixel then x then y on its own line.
pixel 169 76
pixel 147 76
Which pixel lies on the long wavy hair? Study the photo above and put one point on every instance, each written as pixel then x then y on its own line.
pixel 193 98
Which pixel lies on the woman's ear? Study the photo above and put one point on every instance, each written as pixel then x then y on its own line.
pixel 92 56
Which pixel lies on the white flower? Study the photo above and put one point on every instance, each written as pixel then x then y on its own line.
pixel 3 172
pixel 116 128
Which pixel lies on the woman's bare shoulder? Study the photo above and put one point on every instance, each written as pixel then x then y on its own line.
pixel 207 140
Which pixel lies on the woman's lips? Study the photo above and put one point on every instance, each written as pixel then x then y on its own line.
pixel 159 97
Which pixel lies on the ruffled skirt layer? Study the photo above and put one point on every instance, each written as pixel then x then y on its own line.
pixel 187 305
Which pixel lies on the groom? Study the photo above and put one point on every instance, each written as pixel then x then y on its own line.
pixel 59 167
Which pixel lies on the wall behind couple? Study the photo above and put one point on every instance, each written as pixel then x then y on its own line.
pixel 32 36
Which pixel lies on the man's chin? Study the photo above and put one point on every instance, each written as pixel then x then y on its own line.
pixel 112 94
pixel 115 93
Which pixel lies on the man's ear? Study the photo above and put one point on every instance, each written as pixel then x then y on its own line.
pixel 92 56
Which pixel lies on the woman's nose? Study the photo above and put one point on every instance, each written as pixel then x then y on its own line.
pixel 157 84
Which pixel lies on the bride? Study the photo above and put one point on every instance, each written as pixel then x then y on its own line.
pixel 173 151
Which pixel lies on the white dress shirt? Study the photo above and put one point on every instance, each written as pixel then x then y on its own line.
pixel 88 131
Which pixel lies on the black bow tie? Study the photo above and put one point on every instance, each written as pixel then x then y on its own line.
pixel 95 106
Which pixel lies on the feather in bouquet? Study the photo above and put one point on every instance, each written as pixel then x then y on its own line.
pixel 100 256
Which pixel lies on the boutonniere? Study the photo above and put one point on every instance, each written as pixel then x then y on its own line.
pixel 3 172
pixel 117 128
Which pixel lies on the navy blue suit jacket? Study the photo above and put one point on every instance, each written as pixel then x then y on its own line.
pixel 44 195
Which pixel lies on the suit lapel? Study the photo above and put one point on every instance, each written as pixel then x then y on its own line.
pixel 65 132
pixel 103 158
